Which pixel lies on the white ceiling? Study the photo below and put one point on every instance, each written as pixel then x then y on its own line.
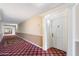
pixel 18 12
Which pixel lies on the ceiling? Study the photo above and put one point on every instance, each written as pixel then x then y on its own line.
pixel 18 12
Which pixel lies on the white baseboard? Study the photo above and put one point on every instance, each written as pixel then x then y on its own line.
pixel 31 43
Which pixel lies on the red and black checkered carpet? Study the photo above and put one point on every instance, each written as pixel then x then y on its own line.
pixel 15 46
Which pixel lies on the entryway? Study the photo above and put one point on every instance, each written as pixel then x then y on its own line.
pixel 9 29
pixel 56 29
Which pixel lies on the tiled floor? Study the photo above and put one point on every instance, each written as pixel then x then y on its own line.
pixel 15 46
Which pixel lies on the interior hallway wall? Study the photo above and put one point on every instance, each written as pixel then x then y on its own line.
pixel 77 31
pixel 1 15
pixel 31 30
pixel 77 22
pixel 1 35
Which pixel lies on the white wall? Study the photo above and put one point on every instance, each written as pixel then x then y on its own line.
pixel 77 22
pixel 77 31
pixel 1 35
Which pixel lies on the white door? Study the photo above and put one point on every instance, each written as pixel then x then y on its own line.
pixel 58 32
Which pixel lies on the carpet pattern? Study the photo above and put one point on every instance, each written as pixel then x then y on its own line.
pixel 56 52
pixel 15 46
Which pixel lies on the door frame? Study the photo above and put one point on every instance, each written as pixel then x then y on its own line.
pixel 71 31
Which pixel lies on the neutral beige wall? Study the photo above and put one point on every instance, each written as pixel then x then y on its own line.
pixel 31 30
pixel 31 26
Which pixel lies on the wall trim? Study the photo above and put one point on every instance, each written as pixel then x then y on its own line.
pixel 29 34
pixel 74 28
pixel 31 42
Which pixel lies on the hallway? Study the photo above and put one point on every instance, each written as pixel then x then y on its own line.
pixel 15 46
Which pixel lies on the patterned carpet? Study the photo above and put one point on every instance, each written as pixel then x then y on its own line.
pixel 15 46
pixel 56 52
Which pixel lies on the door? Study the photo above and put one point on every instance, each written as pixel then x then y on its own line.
pixel 58 32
